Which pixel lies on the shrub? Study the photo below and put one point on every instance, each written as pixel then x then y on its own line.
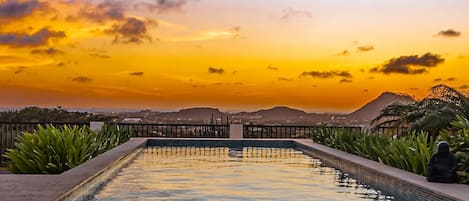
pixel 458 140
pixel 410 153
pixel 108 137
pixel 51 150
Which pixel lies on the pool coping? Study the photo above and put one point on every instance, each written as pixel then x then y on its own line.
pixel 17 187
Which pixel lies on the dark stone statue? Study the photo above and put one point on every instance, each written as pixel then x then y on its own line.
pixel 442 166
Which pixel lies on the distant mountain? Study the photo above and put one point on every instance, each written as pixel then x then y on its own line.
pixel 196 114
pixel 371 110
pixel 275 115
pixel 280 113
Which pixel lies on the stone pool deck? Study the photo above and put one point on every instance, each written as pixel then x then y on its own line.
pixel 14 187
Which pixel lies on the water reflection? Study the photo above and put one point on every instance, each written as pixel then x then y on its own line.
pixel 221 173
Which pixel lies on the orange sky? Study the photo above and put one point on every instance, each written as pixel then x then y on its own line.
pixel 316 55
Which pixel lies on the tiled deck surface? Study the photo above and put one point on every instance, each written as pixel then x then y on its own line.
pixel 51 187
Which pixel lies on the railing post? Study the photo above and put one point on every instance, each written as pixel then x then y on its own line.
pixel 96 125
pixel 236 131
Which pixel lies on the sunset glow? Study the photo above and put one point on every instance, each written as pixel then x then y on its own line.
pixel 317 55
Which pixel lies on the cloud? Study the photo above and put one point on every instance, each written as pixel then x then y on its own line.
pixel 450 33
pixel 343 53
pixel 289 13
pixel 326 74
pixel 107 10
pixel 365 48
pixel 132 30
pixel 285 79
pixel 270 67
pixel 13 9
pixel 163 6
pixel 213 70
pixel 136 73
pixel 236 31
pixel 345 80
pixel 38 38
pixel 82 79
pixel 20 69
pixel 410 65
pixel 61 64
pixel 413 88
pixel 464 87
pixel 47 51
pixel 450 79
pixel 100 55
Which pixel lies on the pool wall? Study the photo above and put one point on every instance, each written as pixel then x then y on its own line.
pixel 402 184
pixel 68 185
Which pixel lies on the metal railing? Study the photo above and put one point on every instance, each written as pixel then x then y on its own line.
pixel 9 131
pixel 389 130
pixel 283 131
pixel 177 130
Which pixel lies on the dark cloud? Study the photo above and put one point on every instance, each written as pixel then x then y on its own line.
pixel 61 64
pixel 39 38
pixel 99 55
pixel 136 73
pixel 13 9
pixel 47 51
pixel 326 74
pixel 285 79
pixel 163 6
pixel 270 67
pixel 437 80
pixel 20 69
pixel 371 77
pixel 314 85
pixel 413 64
pixel 343 53
pixel 236 31
pixel 289 13
pixel 365 48
pixel 213 70
pixel 345 80
pixel 365 90
pixel 132 30
pixel 450 79
pixel 82 79
pixel 107 10
pixel 450 33
pixel 464 87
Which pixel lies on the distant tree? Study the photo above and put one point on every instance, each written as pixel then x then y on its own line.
pixel 36 114
pixel 432 114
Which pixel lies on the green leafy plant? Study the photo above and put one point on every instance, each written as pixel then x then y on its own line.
pixel 458 140
pixel 51 150
pixel 109 136
pixel 411 152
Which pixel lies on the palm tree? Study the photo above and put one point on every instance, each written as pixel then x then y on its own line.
pixel 433 113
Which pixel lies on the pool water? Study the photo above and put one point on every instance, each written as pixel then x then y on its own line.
pixel 221 173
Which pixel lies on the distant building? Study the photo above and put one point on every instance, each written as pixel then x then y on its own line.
pixel 132 120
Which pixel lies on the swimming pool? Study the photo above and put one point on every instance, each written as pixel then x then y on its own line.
pixel 223 173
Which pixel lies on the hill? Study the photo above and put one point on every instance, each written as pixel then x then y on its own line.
pixel 372 109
